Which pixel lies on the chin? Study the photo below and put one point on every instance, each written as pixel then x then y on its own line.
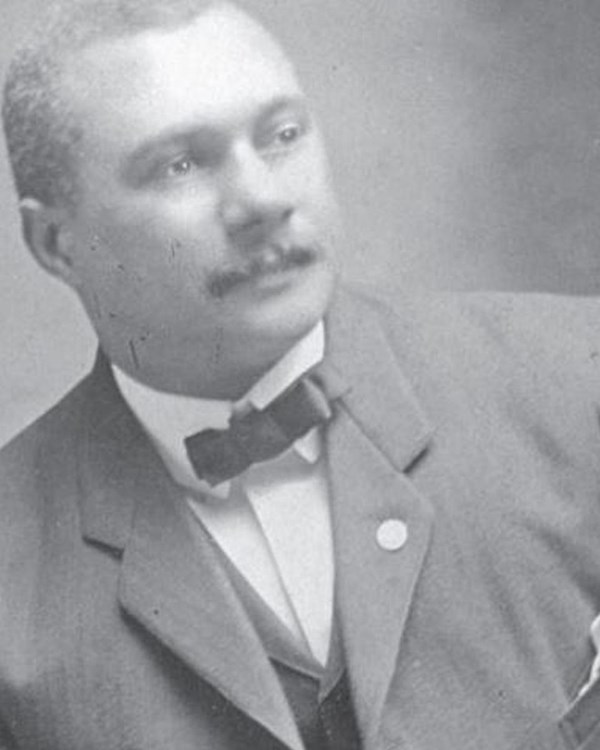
pixel 279 320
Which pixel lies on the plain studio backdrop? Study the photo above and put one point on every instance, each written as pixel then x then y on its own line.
pixel 465 139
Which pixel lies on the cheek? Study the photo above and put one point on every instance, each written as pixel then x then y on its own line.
pixel 142 263
pixel 180 212
pixel 313 182
pixel 159 239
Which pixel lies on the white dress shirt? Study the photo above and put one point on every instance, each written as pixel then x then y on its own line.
pixel 273 520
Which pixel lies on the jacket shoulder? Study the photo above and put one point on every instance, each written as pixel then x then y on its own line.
pixel 32 456
pixel 494 343
pixel 535 324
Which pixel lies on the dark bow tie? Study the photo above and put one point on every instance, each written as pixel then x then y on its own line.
pixel 219 455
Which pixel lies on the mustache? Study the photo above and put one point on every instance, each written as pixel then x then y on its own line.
pixel 273 259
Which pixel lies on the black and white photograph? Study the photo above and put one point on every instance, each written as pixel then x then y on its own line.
pixel 300 395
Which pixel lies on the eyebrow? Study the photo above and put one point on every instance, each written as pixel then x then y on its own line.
pixel 179 136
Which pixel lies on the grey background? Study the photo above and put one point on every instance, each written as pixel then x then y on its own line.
pixel 465 137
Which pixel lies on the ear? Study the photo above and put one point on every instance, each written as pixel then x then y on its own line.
pixel 48 236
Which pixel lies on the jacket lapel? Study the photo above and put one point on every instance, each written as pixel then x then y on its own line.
pixel 171 580
pixel 377 433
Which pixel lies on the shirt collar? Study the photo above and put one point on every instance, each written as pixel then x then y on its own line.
pixel 169 418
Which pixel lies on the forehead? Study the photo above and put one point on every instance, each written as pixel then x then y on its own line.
pixel 218 68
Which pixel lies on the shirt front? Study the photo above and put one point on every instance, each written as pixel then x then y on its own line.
pixel 272 521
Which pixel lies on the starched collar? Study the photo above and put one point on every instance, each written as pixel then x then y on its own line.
pixel 169 418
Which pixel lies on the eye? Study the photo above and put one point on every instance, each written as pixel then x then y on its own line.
pixel 288 134
pixel 180 167
pixel 283 135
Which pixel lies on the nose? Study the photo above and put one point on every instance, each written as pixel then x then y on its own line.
pixel 255 202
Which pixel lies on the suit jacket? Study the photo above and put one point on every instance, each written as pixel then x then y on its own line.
pixel 473 420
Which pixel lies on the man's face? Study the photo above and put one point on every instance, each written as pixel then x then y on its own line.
pixel 203 236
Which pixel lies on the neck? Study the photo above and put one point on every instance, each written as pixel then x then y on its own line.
pixel 228 384
pixel 208 378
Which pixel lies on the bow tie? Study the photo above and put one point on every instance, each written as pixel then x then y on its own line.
pixel 219 455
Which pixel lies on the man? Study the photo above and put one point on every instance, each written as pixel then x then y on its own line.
pixel 274 515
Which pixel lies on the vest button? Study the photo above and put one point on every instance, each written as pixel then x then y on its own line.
pixel 392 535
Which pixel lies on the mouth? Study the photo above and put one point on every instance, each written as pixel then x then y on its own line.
pixel 265 268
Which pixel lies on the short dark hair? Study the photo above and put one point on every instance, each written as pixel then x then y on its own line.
pixel 41 129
